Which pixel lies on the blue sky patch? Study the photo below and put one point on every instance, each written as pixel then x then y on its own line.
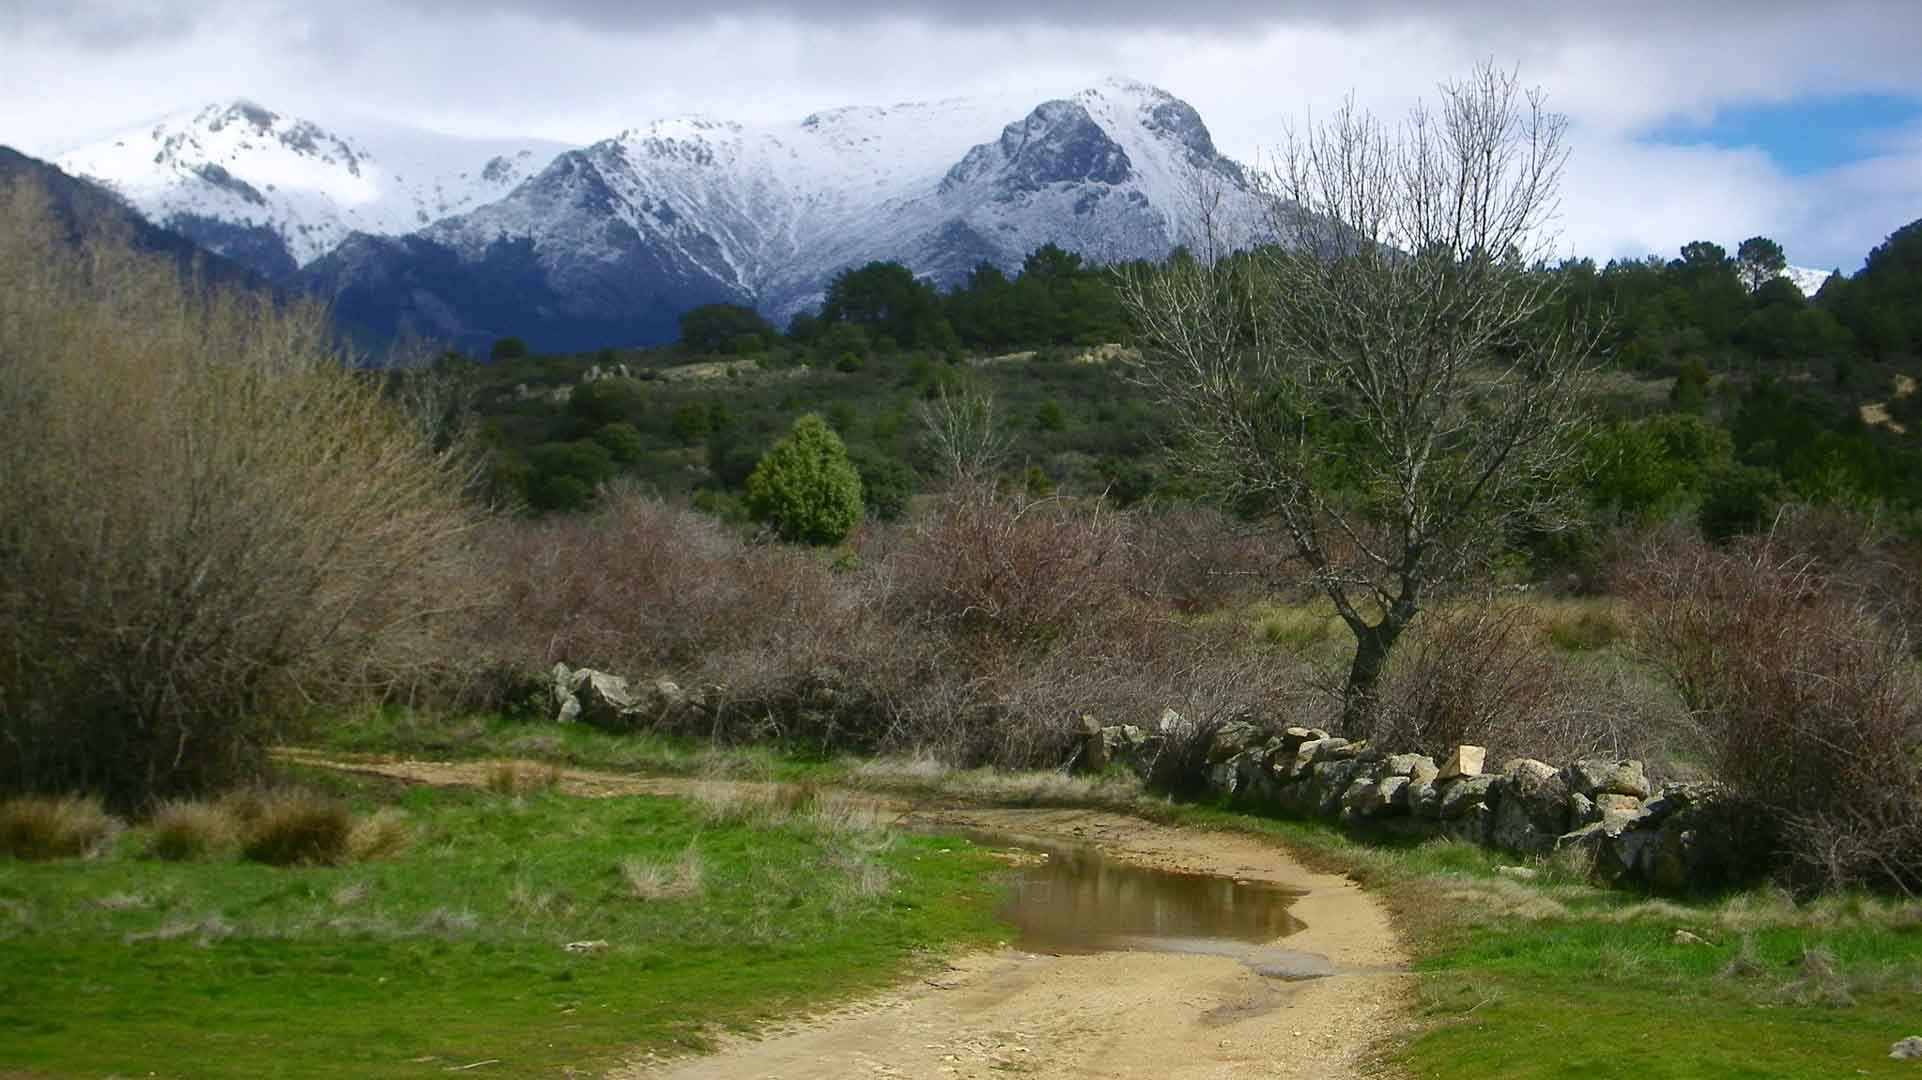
pixel 1803 136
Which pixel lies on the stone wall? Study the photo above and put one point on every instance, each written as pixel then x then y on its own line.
pixel 1669 837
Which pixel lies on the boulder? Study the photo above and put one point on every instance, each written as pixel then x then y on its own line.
pixel 1413 766
pixel 1471 826
pixel 1607 776
pixel 1361 799
pixel 1459 797
pixel 606 701
pixel 1337 749
pixel 1094 745
pixel 1533 808
pixel 1909 1049
pixel 1463 761
pixel 1424 799
pixel 1391 793
pixel 1582 810
pixel 1230 739
pixel 1618 804
pixel 1328 781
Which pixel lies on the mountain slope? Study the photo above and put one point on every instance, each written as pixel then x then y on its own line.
pixel 81 204
pixel 276 192
pixel 618 237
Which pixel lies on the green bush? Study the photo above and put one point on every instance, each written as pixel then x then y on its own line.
pixel 805 488
pixel 1740 499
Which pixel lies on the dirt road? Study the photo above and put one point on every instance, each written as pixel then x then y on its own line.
pixel 1109 1015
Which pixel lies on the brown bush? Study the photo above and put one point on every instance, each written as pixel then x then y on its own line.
pixel 1484 673
pixel 1805 702
pixel 1014 573
pixel 644 587
pixel 52 827
pixel 192 830
pixel 206 520
pixel 290 828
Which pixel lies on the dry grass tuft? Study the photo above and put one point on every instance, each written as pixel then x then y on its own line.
pixel 296 828
pixel 123 901
pixel 522 777
pixel 1746 963
pixel 349 895
pixel 192 830
pixel 1512 899
pixel 380 835
pixel 53 826
pixel 651 879
pixel 447 922
pixel 1821 982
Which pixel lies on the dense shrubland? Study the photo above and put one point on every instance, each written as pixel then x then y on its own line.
pixel 207 522
pixel 207 525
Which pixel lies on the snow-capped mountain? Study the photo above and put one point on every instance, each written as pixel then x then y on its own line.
pixel 276 192
pixel 611 241
pixel 608 243
pixel 1808 280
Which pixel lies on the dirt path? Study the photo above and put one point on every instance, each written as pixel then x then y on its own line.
pixel 1117 1014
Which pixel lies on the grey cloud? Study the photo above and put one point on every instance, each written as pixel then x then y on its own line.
pixel 1493 18
pixel 100 25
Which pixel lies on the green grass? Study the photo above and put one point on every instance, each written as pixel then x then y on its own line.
pixel 1553 978
pixel 1550 977
pixel 398 730
pixel 453 952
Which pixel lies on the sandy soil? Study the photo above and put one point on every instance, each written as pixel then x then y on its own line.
pixel 1118 1014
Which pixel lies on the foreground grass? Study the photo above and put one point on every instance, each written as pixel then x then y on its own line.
pixel 454 952
pixel 397 730
pixel 1547 976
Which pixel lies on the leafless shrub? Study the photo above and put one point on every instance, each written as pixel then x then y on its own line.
pixel 52 827
pixel 206 520
pixel 1014 573
pixel 1197 559
pixel 1484 673
pixel 1805 703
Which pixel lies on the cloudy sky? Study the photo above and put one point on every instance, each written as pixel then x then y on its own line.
pixel 1691 119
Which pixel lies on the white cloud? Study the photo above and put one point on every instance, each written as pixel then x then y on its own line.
pixel 584 69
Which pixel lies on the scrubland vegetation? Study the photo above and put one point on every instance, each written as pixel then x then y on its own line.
pixel 217 534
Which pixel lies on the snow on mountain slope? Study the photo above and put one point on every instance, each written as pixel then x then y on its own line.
pixel 1808 280
pixel 767 215
pixel 277 191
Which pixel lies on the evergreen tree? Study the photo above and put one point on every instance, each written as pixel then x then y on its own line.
pixel 805 488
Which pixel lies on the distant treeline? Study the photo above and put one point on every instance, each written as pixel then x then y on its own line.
pixel 1734 393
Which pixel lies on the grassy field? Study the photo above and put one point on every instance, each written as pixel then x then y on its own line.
pixel 1549 977
pixel 453 952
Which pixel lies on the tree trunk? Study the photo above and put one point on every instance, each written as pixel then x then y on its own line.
pixel 1360 697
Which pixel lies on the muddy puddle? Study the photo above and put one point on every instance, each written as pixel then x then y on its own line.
pixel 1072 898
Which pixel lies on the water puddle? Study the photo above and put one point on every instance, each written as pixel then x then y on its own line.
pixel 1071 898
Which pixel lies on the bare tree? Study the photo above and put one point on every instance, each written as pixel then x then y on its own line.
pixel 1390 384
pixel 962 435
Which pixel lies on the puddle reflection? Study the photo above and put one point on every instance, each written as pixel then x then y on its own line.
pixel 1078 900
